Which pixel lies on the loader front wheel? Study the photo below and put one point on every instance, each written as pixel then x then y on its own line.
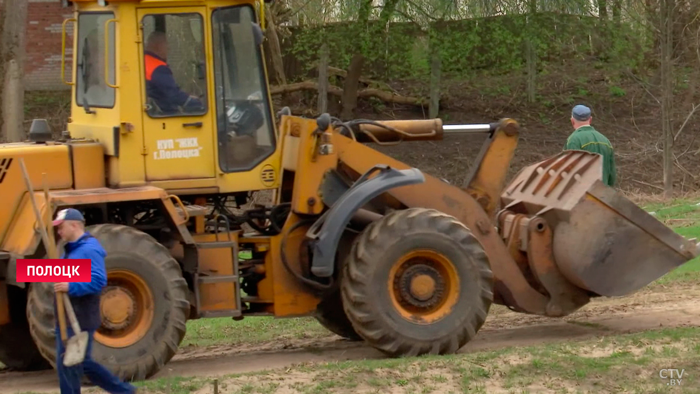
pixel 330 315
pixel 144 306
pixel 417 282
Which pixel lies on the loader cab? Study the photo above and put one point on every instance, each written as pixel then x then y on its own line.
pixel 176 92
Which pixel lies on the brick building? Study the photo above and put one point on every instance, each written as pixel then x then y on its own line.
pixel 42 68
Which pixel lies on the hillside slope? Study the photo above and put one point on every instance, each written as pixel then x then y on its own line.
pixel 624 110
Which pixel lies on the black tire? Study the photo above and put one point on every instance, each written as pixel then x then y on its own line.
pixel 129 252
pixel 330 314
pixel 398 328
pixel 17 348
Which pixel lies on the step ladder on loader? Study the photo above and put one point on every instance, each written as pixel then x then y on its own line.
pixel 201 278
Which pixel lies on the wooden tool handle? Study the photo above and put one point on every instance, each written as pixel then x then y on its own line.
pixel 60 309
pixel 53 254
pixel 72 318
pixel 50 248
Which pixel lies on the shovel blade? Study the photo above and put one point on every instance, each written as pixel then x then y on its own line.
pixel 75 349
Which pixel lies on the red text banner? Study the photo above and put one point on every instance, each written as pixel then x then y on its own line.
pixel 53 270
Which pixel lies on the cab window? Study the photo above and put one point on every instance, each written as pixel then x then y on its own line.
pixel 91 85
pixel 174 65
pixel 245 129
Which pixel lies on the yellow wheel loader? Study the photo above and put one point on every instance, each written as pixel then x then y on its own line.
pixel 172 131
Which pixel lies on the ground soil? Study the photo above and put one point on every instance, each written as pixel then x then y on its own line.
pixel 646 310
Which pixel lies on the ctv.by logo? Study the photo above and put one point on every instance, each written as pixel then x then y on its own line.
pixel 673 375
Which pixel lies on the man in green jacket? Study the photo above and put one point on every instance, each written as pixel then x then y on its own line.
pixel 585 137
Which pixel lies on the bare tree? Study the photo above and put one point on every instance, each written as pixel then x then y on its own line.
pixel 666 46
pixel 14 13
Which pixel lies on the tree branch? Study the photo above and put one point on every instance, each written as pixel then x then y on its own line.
pixel 300 8
pixel 687 118
pixel 648 184
pixel 388 97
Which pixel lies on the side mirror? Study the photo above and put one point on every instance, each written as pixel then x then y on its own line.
pixel 257 34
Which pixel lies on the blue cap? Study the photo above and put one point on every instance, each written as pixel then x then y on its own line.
pixel 68 214
pixel 581 113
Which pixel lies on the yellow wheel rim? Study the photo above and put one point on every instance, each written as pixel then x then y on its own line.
pixel 127 309
pixel 424 286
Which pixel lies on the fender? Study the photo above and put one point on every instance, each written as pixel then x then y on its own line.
pixel 325 233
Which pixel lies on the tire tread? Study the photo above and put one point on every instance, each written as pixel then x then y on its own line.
pixel 357 292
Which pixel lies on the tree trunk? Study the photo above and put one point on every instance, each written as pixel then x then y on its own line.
pixel 531 53
pixel 531 60
pixel 382 29
pixel 275 49
pixel 322 106
pixel 603 9
pixel 617 11
pixel 350 87
pixel 435 69
pixel 14 13
pixel 349 98
pixel 667 92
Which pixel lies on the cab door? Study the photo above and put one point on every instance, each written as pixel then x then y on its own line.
pixel 177 122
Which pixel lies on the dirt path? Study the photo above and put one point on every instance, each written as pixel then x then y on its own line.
pixel 647 310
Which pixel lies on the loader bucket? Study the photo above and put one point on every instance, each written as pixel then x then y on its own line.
pixel 602 242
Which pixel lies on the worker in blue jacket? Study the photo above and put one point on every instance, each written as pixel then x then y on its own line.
pixel 85 299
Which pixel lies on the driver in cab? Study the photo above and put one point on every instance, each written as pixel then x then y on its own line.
pixel 160 83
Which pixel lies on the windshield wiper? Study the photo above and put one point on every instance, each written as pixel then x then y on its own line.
pixel 85 74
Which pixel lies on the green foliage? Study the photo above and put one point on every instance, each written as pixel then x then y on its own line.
pixel 617 91
pixel 496 44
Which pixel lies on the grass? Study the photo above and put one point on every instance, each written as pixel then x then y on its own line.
pixel 224 331
pixel 683 216
pixel 627 363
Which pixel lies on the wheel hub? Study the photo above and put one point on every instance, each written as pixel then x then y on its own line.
pixel 420 285
pixel 127 310
pixel 118 307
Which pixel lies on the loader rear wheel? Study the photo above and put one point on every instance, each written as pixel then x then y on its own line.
pixel 417 282
pixel 144 306
pixel 17 348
